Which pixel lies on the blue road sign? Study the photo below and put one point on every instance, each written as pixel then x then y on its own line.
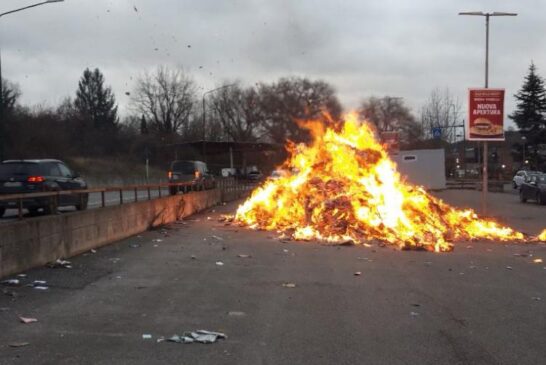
pixel 437 132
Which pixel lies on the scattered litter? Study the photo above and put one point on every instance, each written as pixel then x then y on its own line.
pixel 236 314
pixel 200 336
pixel 217 238
pixel 9 293
pixel 193 257
pixel 520 255
pixel 358 273
pixel 115 260
pixel 509 267
pixel 60 263
pixel 157 240
pixel 469 247
pixel 18 344
pixel 134 245
pixel 414 314
pixel 285 250
pixel 415 304
pixel 93 250
pixel 366 245
pixel 244 256
pixel 156 245
pixel 11 282
pixel 219 263
pixel 209 218
pixel 27 320
pixel 146 336
pixel 22 275
pixel 289 285
pixel 537 261
pixel 536 298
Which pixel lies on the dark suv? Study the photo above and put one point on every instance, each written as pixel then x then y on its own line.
pixel 193 172
pixel 33 176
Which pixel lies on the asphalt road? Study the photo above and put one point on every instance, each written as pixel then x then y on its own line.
pixel 477 305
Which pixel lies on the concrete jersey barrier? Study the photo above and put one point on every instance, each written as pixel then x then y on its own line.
pixel 34 242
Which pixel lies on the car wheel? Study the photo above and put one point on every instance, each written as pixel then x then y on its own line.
pixel 2 211
pixel 540 200
pixel 83 202
pixel 522 198
pixel 51 208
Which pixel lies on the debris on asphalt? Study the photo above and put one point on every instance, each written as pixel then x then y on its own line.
pixel 60 263
pixel 219 263
pixel 537 261
pixel 200 336
pixel 357 273
pixel 9 293
pixel 536 298
pixel 27 320
pixel 285 250
pixel 415 304
pixel 428 263
pixel 134 245
pixel 39 285
pixel 11 282
pixel 19 344
pixel 146 336
pixel 508 267
pixel 157 240
pixel 115 260
pixel 244 256
pixel 193 257
pixel 236 314
pixel 93 250
pixel 289 285
pixel 217 238
pixel 414 314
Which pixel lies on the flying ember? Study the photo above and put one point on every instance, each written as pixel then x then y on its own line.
pixel 344 187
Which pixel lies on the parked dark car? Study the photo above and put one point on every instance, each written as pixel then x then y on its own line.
pixel 194 172
pixel 254 176
pixel 533 188
pixel 33 176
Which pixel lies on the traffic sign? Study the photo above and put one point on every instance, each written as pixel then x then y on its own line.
pixel 437 132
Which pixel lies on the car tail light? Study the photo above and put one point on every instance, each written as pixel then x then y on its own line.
pixel 197 174
pixel 35 179
pixel 170 174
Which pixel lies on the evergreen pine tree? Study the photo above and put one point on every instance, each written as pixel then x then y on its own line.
pixel 530 113
pixel 96 102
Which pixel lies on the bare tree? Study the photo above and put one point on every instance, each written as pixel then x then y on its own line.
pixel 390 114
pixel 239 112
pixel 292 99
pixel 165 99
pixel 441 110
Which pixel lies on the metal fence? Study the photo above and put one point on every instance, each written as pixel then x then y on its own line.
pixel 152 191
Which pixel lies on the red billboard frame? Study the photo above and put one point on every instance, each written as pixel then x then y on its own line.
pixel 485 120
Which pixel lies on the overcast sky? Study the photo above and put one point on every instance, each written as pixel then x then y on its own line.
pixel 363 48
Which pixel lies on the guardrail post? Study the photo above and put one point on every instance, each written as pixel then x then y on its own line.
pixel 20 208
pixel 102 199
pixel 159 190
pixel 120 196
pixel 149 195
pixel 136 195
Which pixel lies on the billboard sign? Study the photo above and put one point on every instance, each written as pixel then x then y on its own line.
pixel 485 115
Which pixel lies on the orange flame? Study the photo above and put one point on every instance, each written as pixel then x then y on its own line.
pixel 343 187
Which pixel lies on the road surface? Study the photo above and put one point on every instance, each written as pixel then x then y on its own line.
pixel 484 303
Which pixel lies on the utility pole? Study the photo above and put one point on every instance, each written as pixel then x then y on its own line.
pixel 485 181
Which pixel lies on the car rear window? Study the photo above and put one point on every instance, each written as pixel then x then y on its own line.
pixel 11 169
pixel 184 167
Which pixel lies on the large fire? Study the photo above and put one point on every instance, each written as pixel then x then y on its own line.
pixel 344 188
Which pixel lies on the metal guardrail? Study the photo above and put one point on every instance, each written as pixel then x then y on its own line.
pixel 225 184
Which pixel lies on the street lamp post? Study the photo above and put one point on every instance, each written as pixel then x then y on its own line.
pixel 204 116
pixel 485 153
pixel 524 139
pixel 2 121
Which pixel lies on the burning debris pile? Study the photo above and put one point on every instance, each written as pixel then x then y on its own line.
pixel 344 188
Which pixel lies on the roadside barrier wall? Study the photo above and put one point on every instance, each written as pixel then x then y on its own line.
pixel 34 242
